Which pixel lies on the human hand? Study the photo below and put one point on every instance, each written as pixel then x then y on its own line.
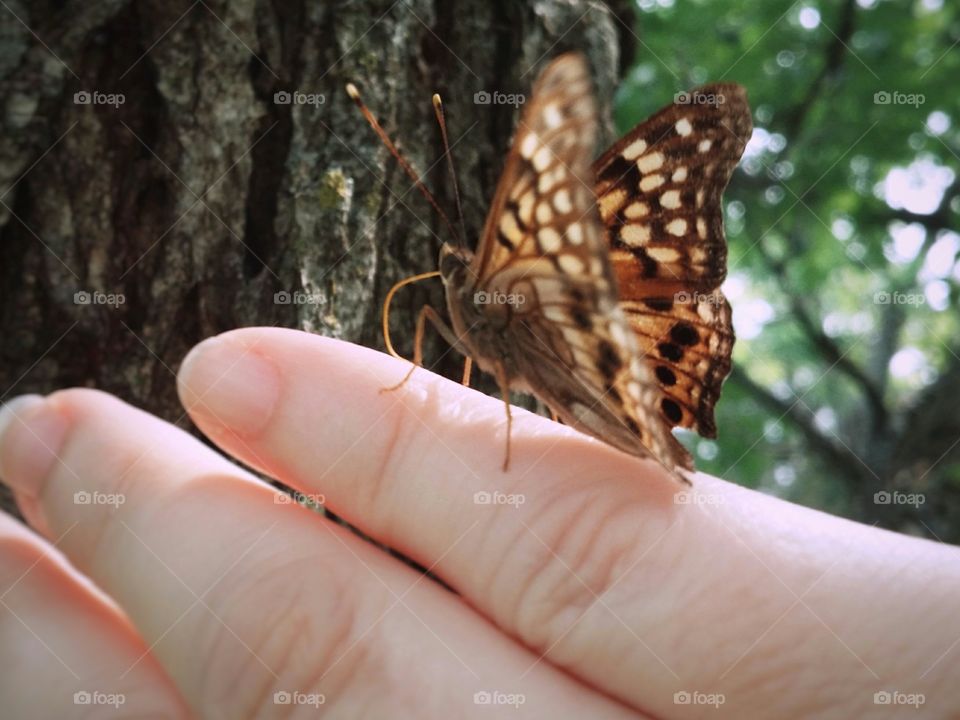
pixel 587 586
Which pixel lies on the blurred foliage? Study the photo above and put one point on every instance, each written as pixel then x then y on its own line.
pixel 843 267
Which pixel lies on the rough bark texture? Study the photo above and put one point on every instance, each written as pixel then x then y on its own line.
pixel 199 198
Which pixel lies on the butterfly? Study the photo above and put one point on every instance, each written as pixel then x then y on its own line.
pixel 595 286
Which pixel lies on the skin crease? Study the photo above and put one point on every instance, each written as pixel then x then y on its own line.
pixel 588 588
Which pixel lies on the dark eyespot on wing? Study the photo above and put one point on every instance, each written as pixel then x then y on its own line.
pixel 659 304
pixel 684 334
pixel 581 318
pixel 608 361
pixel 670 351
pixel 665 375
pixel 672 411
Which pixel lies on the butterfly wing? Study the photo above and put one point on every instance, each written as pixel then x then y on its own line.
pixel 659 190
pixel 660 187
pixel 568 342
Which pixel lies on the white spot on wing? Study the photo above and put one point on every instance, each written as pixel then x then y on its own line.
pixel 561 201
pixel 677 227
pixel 670 199
pixel 635 149
pixel 529 145
pixel 541 159
pixel 663 254
pixel 544 213
pixel 570 264
pixel 651 182
pixel 549 240
pixel 552 115
pixel 651 162
pixel 635 234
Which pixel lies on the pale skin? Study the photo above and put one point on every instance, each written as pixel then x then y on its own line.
pixel 584 589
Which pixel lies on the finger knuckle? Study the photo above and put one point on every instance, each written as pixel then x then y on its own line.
pixel 302 653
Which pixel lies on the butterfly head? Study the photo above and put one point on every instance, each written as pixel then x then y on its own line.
pixel 454 265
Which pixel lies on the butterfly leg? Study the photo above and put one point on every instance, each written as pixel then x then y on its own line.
pixel 504 382
pixel 426 313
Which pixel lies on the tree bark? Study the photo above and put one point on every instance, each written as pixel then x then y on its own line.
pixel 185 210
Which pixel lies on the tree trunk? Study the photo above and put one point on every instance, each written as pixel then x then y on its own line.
pixel 156 190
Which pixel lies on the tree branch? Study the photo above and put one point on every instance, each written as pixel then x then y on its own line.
pixel 836 55
pixel 826 346
pixel 833 453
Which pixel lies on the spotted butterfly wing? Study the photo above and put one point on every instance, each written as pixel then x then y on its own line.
pixel 537 305
pixel 659 190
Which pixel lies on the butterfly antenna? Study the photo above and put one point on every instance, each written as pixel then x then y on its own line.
pixel 441 120
pixel 401 160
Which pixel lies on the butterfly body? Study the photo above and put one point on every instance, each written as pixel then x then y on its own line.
pixel 481 328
